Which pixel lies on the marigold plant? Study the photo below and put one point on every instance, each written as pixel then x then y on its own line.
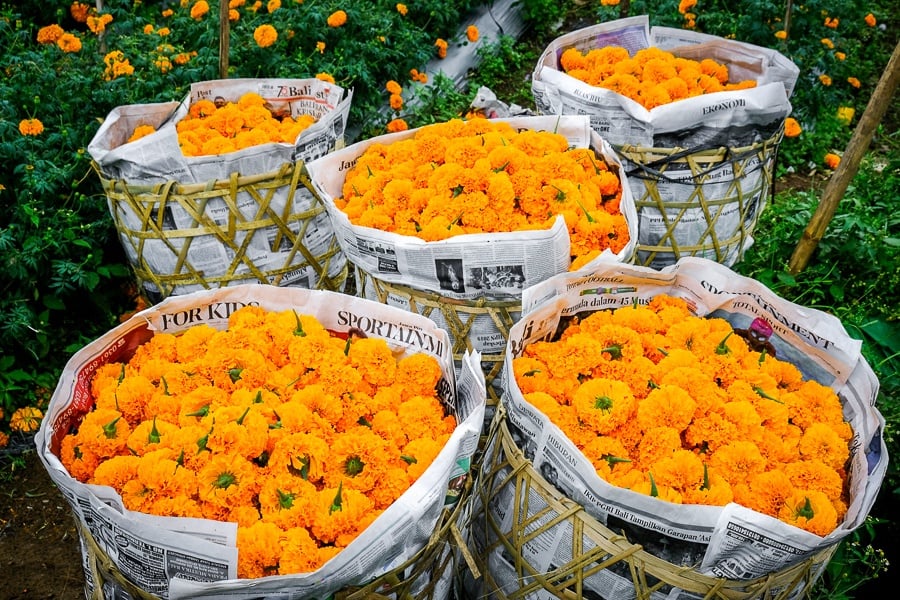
pixel 26 419
pixel 480 176
pixel 299 435
pixel 689 410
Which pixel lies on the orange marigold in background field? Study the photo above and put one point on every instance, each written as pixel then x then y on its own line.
pixel 656 389
pixel 832 160
pixel 265 36
pixel 26 419
pixel 300 436
pixel 69 42
pixel 337 19
pixel 49 34
pixel 32 127
pixel 441 45
pixel 651 77
pixel 481 176
pixel 870 20
pixel 199 9
pixel 79 12
pixel 792 127
pixel 210 129
pixel 472 33
pixel 396 125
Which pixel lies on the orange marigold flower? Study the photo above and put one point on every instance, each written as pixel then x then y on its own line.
pixel 69 42
pixel 609 2
pixel 233 15
pixel 472 33
pixel 832 23
pixel 320 47
pixel 265 35
pixel 840 56
pixel 870 20
pixel 825 79
pixel 325 77
pixel 337 19
pixel 832 160
pixel 97 24
pixel 441 45
pixel 781 34
pixel 49 34
pixel 393 87
pixel 396 101
pixel 401 8
pixel 810 510
pixel 828 43
pixel 163 31
pixel 32 127
pixel 259 549
pixel 604 404
pixel 273 5
pixel 199 9
pixel 79 11
pixel 26 419
pixel 148 28
pixel 792 127
pixel 167 13
pixel 854 82
pixel 686 5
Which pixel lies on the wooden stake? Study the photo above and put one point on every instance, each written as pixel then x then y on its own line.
pixel 224 31
pixel 849 165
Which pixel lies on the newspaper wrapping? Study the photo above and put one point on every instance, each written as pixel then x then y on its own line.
pixel 740 119
pixel 197 558
pixel 465 268
pixel 731 542
pixel 142 167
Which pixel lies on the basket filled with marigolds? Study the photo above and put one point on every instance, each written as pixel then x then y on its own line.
pixel 454 220
pixel 680 433
pixel 255 441
pixel 696 119
pixel 210 191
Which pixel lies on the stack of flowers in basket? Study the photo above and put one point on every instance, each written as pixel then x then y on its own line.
pixel 483 176
pixel 300 436
pixel 652 76
pixel 687 410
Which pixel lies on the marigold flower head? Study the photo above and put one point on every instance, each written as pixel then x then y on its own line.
pixel 26 419
pixel 441 45
pixel 401 8
pixel 845 114
pixel 69 42
pixel 832 160
pixel 686 5
pixel 828 43
pixel 854 82
pixel 325 77
pixel 199 9
pixel 832 23
pixel 792 127
pixel 265 35
pixel 273 5
pixel 49 34
pixel 167 13
pixel 337 19
pixel 871 21
pixel 393 87
pixel 840 56
pixel 396 101
pixel 472 33
pixel 97 23
pixel 320 47
pixel 79 11
pixel 825 79
pixel 32 127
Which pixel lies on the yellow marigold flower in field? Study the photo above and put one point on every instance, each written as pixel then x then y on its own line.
pixel 825 79
pixel 69 43
pixel 320 46
pixel 97 24
pixel 337 19
pixel 49 34
pixel 854 82
pixel 401 8
pixel 832 23
pixel 441 45
pixel 472 33
pixel 79 11
pixel 167 13
pixel 840 56
pixel 870 20
pixel 163 31
pixel 828 43
pixel 32 127
pixel 792 127
pixel 325 77
pixel 273 5
pixel 199 10
pixel 845 114
pixel 182 58
pixel 163 64
pixel 832 160
pixel 265 35
pixel 781 34
pixel 26 419
pixel 148 29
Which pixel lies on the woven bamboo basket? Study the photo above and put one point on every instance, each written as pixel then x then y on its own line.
pixel 698 202
pixel 268 233
pixel 418 578
pixel 456 316
pixel 539 511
